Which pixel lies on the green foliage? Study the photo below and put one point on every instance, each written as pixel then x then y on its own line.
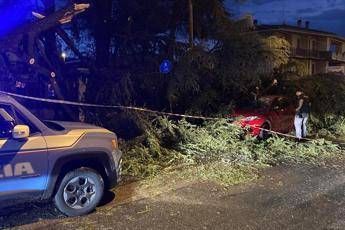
pixel 147 155
pixel 330 126
pixel 276 53
pixel 167 144
pixel 223 141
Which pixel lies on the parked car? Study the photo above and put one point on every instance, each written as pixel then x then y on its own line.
pixel 273 112
pixel 70 163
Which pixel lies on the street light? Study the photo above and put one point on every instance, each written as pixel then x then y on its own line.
pixel 64 56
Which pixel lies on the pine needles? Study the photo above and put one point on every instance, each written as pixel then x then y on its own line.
pixel 214 150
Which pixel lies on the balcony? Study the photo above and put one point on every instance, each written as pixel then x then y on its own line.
pixel 317 54
pixel 337 56
pixel 310 54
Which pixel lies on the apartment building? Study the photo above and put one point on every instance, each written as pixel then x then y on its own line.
pixel 319 51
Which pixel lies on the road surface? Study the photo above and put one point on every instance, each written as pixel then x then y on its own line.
pixel 289 197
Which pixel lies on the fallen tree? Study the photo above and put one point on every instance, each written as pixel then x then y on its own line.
pixel 166 144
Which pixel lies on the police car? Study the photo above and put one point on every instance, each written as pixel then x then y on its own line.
pixel 70 163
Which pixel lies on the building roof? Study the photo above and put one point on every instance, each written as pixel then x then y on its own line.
pixel 297 29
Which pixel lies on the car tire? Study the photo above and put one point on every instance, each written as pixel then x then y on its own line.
pixel 264 134
pixel 79 192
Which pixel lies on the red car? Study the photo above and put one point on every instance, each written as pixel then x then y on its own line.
pixel 274 113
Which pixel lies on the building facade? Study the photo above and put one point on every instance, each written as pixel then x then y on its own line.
pixel 319 51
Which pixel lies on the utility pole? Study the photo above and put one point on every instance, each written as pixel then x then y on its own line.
pixel 191 24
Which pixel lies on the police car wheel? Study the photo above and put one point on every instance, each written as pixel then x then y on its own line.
pixel 79 192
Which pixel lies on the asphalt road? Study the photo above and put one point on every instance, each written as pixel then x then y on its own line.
pixel 294 197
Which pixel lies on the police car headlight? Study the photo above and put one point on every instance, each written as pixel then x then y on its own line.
pixel 251 118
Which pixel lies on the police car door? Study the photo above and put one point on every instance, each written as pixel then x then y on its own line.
pixel 23 162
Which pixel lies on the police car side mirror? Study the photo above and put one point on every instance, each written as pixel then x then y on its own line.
pixel 21 132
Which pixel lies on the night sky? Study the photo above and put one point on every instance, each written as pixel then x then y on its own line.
pixel 328 15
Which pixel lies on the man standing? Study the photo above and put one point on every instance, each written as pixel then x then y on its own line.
pixel 302 114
